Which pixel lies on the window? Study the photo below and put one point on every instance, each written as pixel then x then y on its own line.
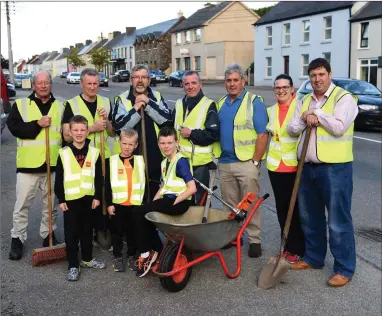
pixel 197 62
pixel 305 63
pixel 287 34
pixel 177 62
pixel 198 34
pixel 131 52
pixel 269 36
pixel 327 56
pixel 125 52
pixel 327 28
pixel 368 70
pixel 305 31
pixel 364 42
pixel 118 53
pixel 268 67
pixel 178 38
pixel 187 35
pixel 187 63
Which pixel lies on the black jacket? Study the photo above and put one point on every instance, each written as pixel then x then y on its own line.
pixel 29 130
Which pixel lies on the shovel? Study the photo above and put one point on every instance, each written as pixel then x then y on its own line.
pixel 208 202
pixel 144 150
pixel 276 267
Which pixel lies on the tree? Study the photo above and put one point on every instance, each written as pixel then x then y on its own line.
pixel 74 59
pixel 99 57
pixel 263 11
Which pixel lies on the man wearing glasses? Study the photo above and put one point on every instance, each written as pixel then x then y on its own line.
pixel 27 121
pixel 243 141
pixel 127 114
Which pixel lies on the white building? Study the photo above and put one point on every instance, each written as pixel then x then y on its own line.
pixel 292 34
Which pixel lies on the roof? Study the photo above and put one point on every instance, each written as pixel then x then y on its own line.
pixel 64 54
pixel 97 45
pixel 295 9
pixel 372 10
pixel 201 16
pixel 122 40
pixel 52 56
pixel 85 48
pixel 155 30
pixel 42 58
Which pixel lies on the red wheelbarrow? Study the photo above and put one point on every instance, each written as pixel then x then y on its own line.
pixel 186 234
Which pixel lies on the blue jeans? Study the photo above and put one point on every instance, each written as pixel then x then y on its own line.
pixel 330 186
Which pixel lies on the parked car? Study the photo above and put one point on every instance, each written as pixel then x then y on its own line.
pixel 103 81
pixel 160 76
pixel 176 79
pixel 153 80
pixel 19 79
pixel 64 74
pixel 11 90
pixel 121 75
pixel 73 77
pixel 369 100
pixel 5 105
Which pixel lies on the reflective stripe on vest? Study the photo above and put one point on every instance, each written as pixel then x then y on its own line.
pixel 78 181
pixel 171 183
pixel 31 153
pixel 331 148
pixel 128 106
pixel 194 120
pixel 119 180
pixel 79 108
pixel 282 146
pixel 244 133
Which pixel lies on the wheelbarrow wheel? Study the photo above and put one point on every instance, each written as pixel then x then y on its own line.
pixel 178 281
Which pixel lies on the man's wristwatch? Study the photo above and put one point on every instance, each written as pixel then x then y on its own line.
pixel 256 163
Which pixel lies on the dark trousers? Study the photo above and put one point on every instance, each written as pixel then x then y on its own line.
pixel 122 225
pixel 201 173
pixel 146 236
pixel 78 228
pixel 282 185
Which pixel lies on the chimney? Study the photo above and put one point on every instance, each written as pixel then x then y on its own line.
pixel 130 30
pixel 98 38
pixel 116 33
pixel 78 45
pixel 71 47
pixel 180 14
pixel 110 36
pixel 88 42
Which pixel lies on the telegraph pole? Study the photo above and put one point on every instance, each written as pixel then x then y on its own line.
pixel 10 54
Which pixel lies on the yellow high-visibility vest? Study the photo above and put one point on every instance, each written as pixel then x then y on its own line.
pixel 79 108
pixel 128 106
pixel 31 153
pixel 119 180
pixel 78 181
pixel 244 134
pixel 171 183
pixel 196 119
pixel 331 148
pixel 282 146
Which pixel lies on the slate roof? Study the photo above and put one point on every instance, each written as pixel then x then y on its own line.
pixel 84 49
pixel 97 45
pixel 64 54
pixel 372 10
pixel 155 30
pixel 52 56
pixel 200 17
pixel 295 9
pixel 42 58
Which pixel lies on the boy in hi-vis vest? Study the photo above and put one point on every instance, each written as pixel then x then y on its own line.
pixel 78 187
pixel 174 197
pixel 125 188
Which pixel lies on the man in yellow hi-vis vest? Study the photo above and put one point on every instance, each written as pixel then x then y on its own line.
pixel 126 114
pixel 97 110
pixel 243 138
pixel 27 120
pixel 327 177
pixel 196 121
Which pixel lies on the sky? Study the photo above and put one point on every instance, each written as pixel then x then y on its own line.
pixel 37 27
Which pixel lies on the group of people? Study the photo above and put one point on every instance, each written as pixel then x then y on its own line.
pixel 180 145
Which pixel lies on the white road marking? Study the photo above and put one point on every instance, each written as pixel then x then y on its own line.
pixel 105 89
pixel 171 101
pixel 370 140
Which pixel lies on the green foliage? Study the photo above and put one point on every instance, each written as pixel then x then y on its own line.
pixel 99 57
pixel 263 11
pixel 74 59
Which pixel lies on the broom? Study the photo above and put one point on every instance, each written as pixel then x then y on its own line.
pixel 46 255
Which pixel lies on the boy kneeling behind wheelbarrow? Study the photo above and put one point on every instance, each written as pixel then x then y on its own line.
pixel 174 197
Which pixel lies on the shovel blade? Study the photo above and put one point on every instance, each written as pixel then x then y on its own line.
pixel 272 272
pixel 104 239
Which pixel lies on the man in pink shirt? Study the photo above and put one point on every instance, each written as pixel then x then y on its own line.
pixel 326 180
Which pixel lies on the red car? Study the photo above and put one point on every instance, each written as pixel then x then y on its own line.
pixel 5 104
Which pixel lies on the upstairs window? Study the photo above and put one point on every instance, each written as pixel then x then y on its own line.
pixel 197 34
pixel 327 28
pixel 286 33
pixel 305 31
pixel 364 41
pixel 269 36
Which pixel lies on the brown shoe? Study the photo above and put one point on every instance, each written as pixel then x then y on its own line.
pixel 338 280
pixel 301 265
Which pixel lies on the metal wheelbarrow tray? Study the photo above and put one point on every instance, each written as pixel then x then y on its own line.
pixel 186 234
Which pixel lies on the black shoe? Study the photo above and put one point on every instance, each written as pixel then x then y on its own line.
pixel 45 243
pixel 16 249
pixel 254 251
pixel 230 245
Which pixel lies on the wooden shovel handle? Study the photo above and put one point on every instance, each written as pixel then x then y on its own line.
pixel 102 139
pixel 49 184
pixel 144 149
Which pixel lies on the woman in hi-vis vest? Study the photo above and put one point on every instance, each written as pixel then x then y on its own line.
pixel 282 163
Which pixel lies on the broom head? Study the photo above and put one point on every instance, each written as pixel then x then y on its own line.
pixel 46 255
